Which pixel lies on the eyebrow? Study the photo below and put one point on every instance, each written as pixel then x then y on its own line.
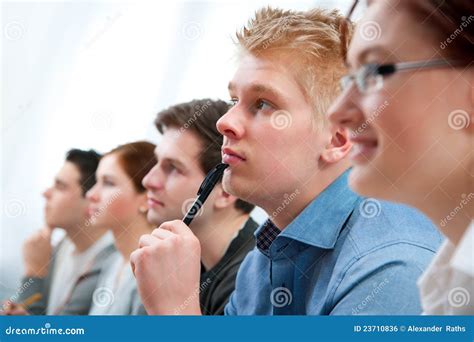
pixel 57 181
pixel 261 88
pixel 171 160
pixel 362 56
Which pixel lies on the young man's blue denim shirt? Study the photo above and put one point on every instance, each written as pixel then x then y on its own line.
pixel 342 255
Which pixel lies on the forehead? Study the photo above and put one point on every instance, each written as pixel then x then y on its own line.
pixel 69 173
pixel 178 144
pixel 390 33
pixel 270 71
pixel 109 165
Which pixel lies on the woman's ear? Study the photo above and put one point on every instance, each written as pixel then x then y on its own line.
pixel 338 148
pixel 142 203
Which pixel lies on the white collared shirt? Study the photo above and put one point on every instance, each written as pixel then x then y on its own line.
pixel 447 285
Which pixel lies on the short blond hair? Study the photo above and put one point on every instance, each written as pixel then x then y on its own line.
pixel 314 38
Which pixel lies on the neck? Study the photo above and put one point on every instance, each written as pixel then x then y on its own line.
pixel 283 208
pixel 126 239
pixel 452 212
pixel 84 237
pixel 216 235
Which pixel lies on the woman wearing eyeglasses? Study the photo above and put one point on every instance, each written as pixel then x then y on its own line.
pixel 408 104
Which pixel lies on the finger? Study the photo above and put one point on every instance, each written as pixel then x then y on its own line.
pixel 162 234
pixel 135 257
pixel 18 311
pixel 177 227
pixel 146 240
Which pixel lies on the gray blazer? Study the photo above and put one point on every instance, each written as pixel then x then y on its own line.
pixel 80 300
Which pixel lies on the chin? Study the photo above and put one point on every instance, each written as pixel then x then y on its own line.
pixel 154 218
pixel 237 187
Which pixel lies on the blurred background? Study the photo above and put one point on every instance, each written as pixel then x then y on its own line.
pixel 94 75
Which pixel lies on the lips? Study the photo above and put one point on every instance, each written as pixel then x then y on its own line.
pixel 92 210
pixel 364 149
pixel 232 157
pixel 154 203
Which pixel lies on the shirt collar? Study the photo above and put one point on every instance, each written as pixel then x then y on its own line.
pixel 464 253
pixel 320 223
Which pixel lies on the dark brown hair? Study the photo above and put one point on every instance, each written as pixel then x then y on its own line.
pixel 452 23
pixel 200 117
pixel 137 159
pixel 86 162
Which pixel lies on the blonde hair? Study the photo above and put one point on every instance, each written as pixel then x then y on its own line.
pixel 316 40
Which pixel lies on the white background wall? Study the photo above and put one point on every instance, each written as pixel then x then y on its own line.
pixel 93 75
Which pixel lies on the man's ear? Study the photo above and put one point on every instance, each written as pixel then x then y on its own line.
pixel 339 146
pixel 222 198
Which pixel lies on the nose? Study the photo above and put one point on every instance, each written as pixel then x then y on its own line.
pixel 47 193
pixel 230 125
pixel 153 180
pixel 92 194
pixel 344 111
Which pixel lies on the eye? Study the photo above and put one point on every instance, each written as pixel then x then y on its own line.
pixel 263 105
pixel 108 183
pixel 233 102
pixel 169 167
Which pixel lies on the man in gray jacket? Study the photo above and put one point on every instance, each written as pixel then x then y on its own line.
pixel 61 280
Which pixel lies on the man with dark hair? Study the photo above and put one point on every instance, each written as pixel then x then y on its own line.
pixel 189 149
pixel 61 280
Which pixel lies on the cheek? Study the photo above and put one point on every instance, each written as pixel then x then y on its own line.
pixel 179 189
pixel 121 206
